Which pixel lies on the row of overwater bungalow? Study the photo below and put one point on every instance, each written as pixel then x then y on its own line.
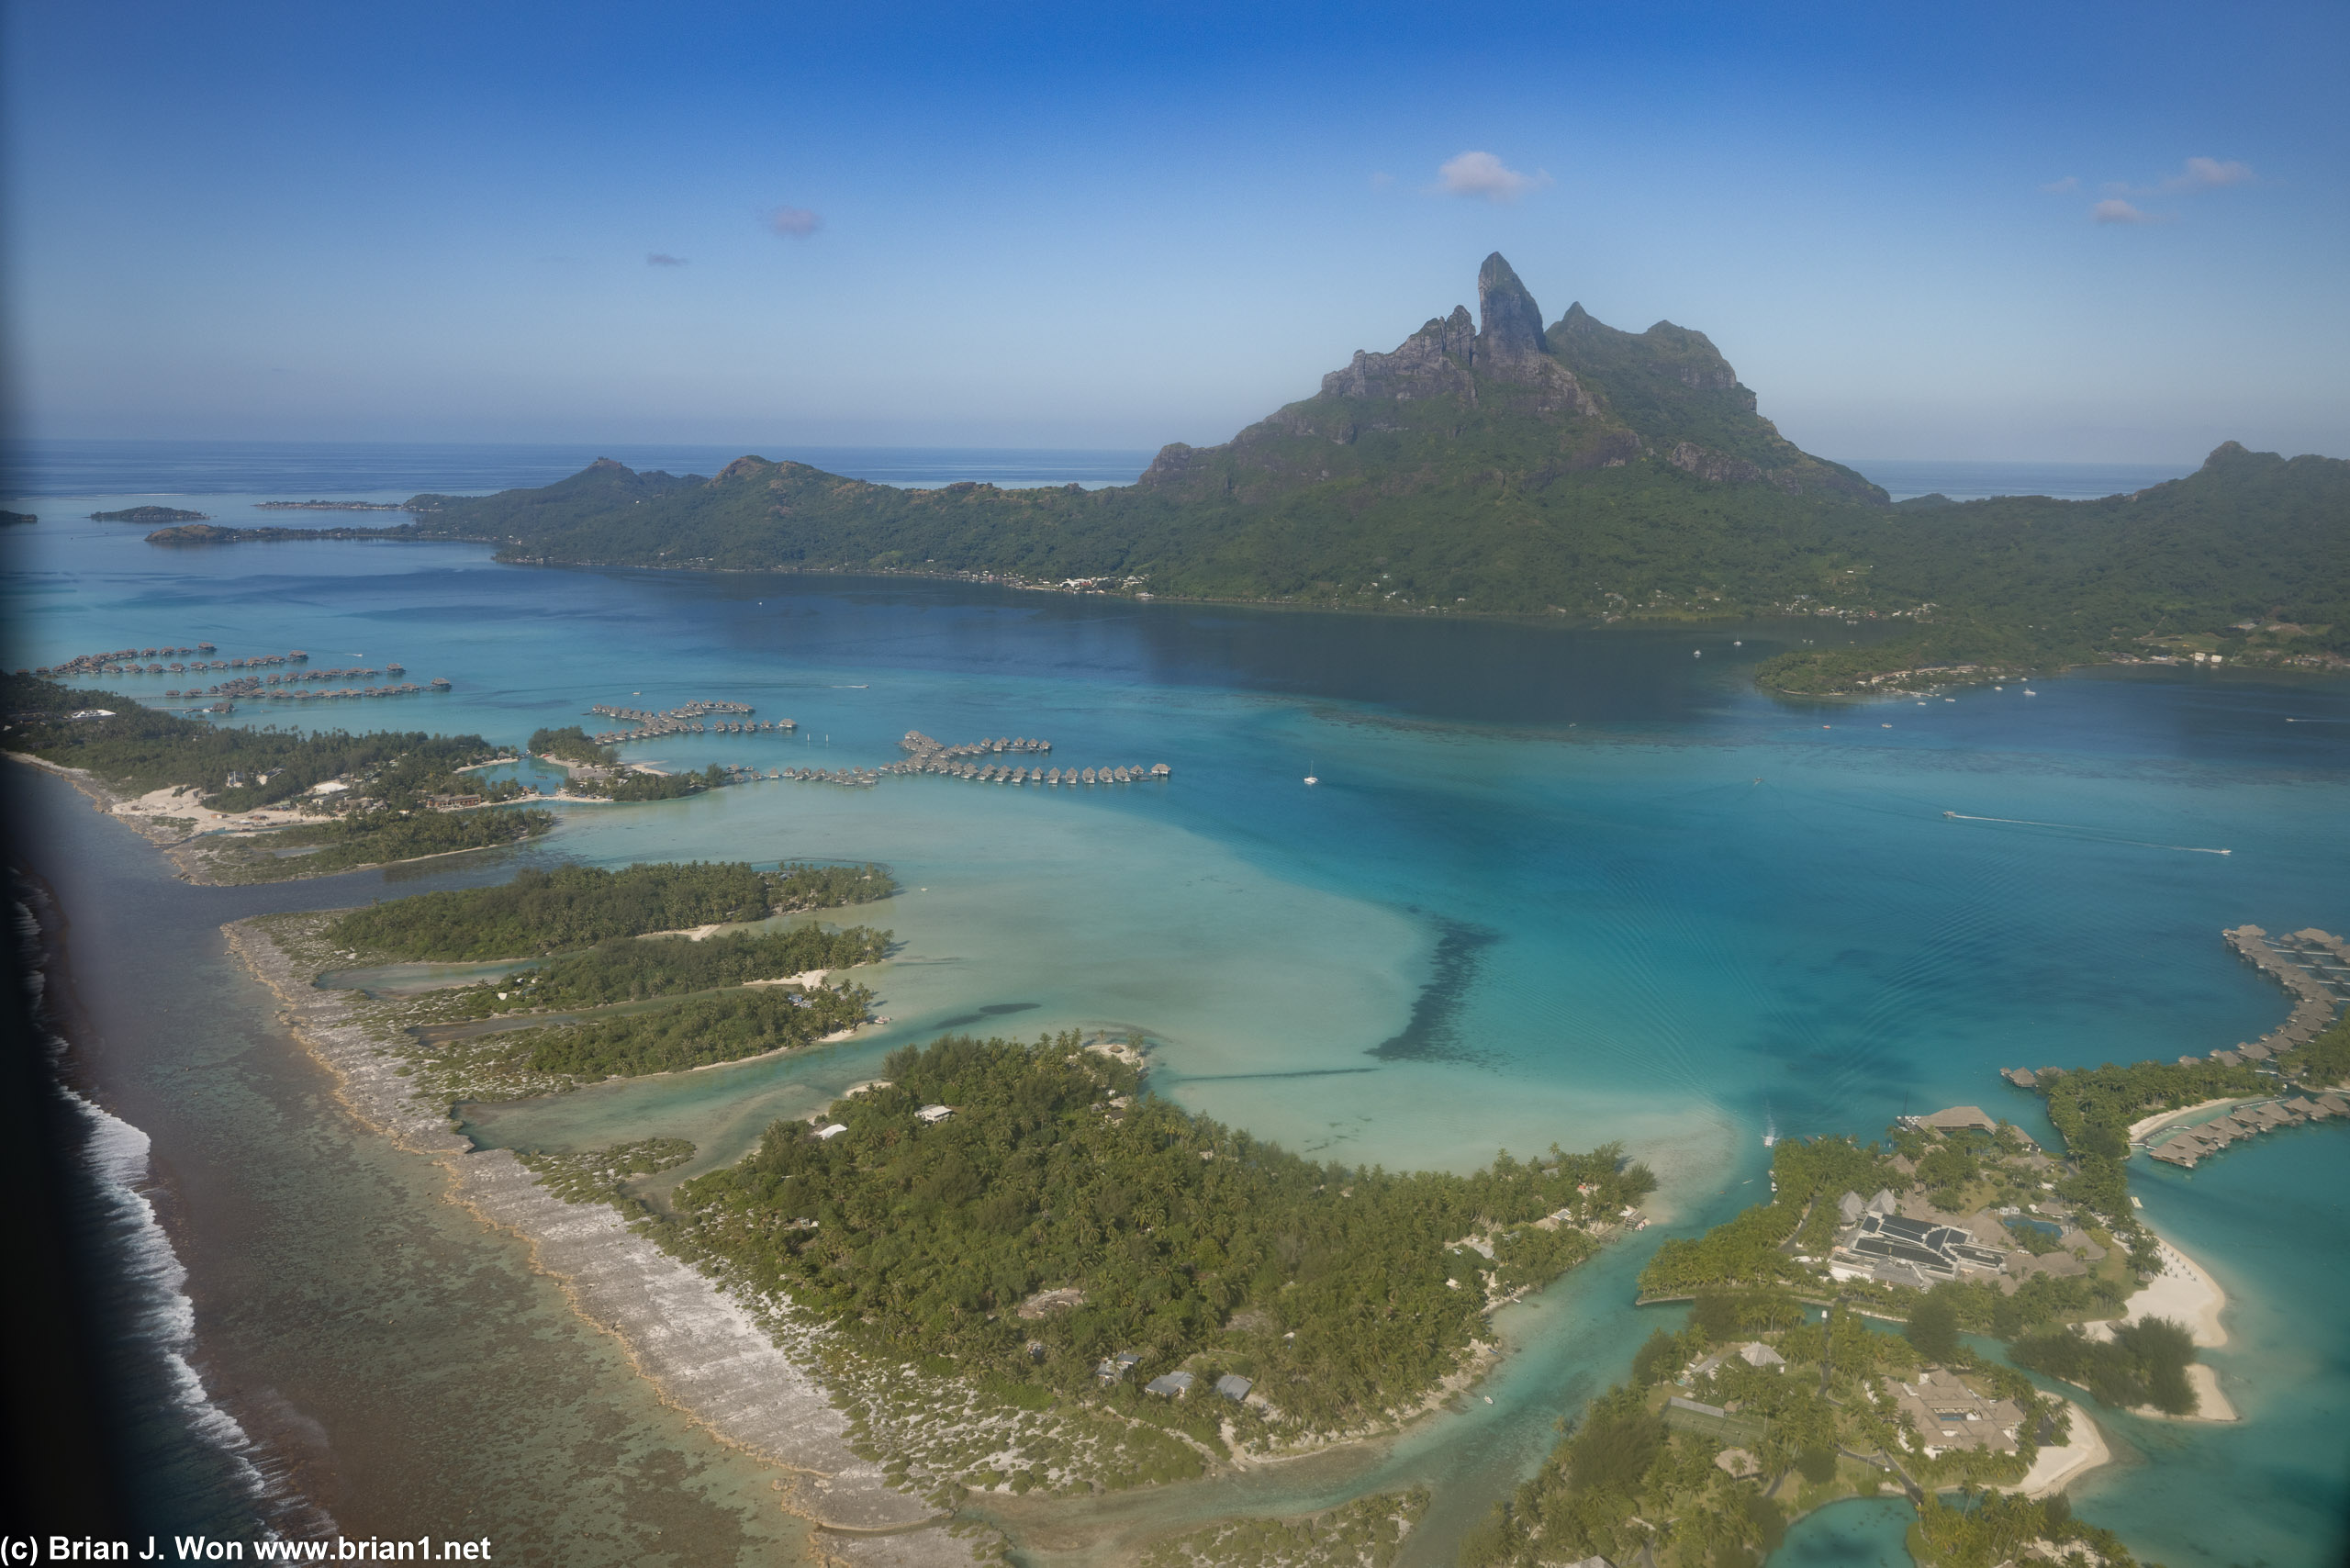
pixel 128 661
pixel 2313 965
pixel 686 719
pixel 2248 1121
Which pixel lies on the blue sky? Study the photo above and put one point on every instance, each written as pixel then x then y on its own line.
pixel 1118 226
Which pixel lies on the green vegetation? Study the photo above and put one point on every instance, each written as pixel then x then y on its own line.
pixel 1341 1291
pixel 2323 1062
pixel 572 743
pixel 1983 1529
pixel 631 969
pixel 799 885
pixel 695 1033
pixel 652 785
pixel 577 906
pixel 233 770
pixel 1753 1257
pixel 150 515
pixel 1811 1174
pixel 1591 473
pixel 1637 1473
pixel 370 839
pixel 2145 1363
pixel 2093 1108
pixel 600 1176
pixel 1365 1533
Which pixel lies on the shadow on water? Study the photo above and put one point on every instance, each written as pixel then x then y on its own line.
pixel 1433 1032
pixel 981 1014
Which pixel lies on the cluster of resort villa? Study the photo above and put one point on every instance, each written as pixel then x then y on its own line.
pixel 1906 1241
pixel 1940 1412
pixel 686 719
pixel 2206 1139
pixel 127 661
pixel 2313 967
pixel 243 681
pixel 1169 1385
pixel 925 756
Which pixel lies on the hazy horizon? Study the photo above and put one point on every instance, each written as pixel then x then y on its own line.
pixel 2102 234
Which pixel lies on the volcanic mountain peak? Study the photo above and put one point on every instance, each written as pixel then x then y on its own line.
pixel 1531 403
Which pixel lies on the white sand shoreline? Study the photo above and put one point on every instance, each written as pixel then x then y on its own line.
pixel 2058 1467
pixel 2184 1292
pixel 2144 1126
pixel 706 1351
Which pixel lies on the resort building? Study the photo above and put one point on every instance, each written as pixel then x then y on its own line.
pixel 930 1115
pixel 1898 1250
pixel 1172 1386
pixel 1754 1353
pixel 1946 1413
pixel 1953 1119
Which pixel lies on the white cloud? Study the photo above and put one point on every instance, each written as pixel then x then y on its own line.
pixel 2207 174
pixel 657 259
pixel 1483 174
pixel 1381 180
pixel 2113 210
pixel 2064 187
pixel 794 222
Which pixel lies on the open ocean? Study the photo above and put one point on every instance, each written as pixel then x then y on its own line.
pixel 1556 886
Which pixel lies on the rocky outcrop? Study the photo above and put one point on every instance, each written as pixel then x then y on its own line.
pixel 1509 323
pixel 1450 356
pixel 1430 363
pixel 1691 458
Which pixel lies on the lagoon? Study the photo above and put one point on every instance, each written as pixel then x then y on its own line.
pixel 1557 885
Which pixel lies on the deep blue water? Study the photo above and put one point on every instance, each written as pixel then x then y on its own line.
pixel 1579 885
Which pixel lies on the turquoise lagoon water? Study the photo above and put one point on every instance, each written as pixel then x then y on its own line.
pixel 1862 1533
pixel 1555 886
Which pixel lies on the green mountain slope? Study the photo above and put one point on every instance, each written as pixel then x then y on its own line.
pixel 1502 466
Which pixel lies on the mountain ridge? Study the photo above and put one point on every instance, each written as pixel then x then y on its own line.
pixel 1497 466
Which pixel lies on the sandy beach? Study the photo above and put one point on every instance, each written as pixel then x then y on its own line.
pixel 2058 1467
pixel 742 1370
pixel 2184 1293
pixel 2145 1125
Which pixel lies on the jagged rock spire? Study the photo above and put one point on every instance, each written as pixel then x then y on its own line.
pixel 1509 322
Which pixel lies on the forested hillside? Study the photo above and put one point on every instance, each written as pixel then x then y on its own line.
pixel 1500 466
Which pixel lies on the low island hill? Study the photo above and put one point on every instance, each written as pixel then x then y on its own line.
pixel 1502 466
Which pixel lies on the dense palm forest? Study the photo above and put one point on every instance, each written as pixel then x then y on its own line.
pixel 578 906
pixel 1342 1293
